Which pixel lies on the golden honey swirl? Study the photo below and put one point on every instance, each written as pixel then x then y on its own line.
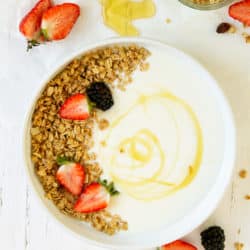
pixel 142 146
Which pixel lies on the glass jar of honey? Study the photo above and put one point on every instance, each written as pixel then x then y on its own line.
pixel 206 4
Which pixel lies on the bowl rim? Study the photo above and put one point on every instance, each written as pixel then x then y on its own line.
pixel 205 207
pixel 205 6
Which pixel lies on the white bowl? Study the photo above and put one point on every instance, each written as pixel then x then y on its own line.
pixel 193 217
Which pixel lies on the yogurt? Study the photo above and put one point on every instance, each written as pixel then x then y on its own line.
pixel 165 137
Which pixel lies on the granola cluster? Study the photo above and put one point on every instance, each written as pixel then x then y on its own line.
pixel 52 136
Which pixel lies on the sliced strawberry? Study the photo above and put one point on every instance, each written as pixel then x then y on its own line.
pixel 75 107
pixel 30 24
pixel 241 11
pixel 95 197
pixel 58 21
pixel 178 245
pixel 71 175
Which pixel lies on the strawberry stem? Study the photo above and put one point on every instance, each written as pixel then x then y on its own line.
pixel 31 44
pixel 45 34
pixel 91 105
pixel 109 187
pixel 62 160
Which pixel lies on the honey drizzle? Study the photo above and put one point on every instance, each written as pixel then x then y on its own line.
pixel 139 188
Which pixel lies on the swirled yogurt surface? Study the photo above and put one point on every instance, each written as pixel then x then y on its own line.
pixel 164 143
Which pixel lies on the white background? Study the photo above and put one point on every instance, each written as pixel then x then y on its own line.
pixel 24 225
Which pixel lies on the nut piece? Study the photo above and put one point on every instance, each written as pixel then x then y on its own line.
pixel 238 246
pixel 232 29
pixel 243 173
pixel 248 39
pixel 223 28
pixel 247 197
pixel 103 124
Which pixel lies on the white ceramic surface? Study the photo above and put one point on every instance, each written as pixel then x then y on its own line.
pixel 194 217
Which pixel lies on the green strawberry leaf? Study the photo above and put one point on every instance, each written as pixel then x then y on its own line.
pixel 109 187
pixel 61 160
pixel 31 44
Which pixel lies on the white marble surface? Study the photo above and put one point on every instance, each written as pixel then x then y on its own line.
pixel 24 225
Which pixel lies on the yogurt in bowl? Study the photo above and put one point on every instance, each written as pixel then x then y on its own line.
pixel 169 148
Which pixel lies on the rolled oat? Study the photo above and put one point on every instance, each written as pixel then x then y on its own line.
pixel 52 136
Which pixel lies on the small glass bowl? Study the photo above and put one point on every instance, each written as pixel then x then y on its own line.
pixel 206 4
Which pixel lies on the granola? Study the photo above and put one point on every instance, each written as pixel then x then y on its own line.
pixel 52 136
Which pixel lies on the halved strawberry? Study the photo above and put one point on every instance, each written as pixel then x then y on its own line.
pixel 71 175
pixel 58 21
pixel 31 23
pixel 178 245
pixel 241 12
pixel 95 197
pixel 75 107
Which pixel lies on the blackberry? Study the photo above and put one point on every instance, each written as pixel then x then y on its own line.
pixel 100 95
pixel 213 238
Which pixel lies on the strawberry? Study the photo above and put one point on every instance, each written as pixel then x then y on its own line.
pixel 58 21
pixel 95 197
pixel 75 107
pixel 71 175
pixel 178 245
pixel 241 12
pixel 30 24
